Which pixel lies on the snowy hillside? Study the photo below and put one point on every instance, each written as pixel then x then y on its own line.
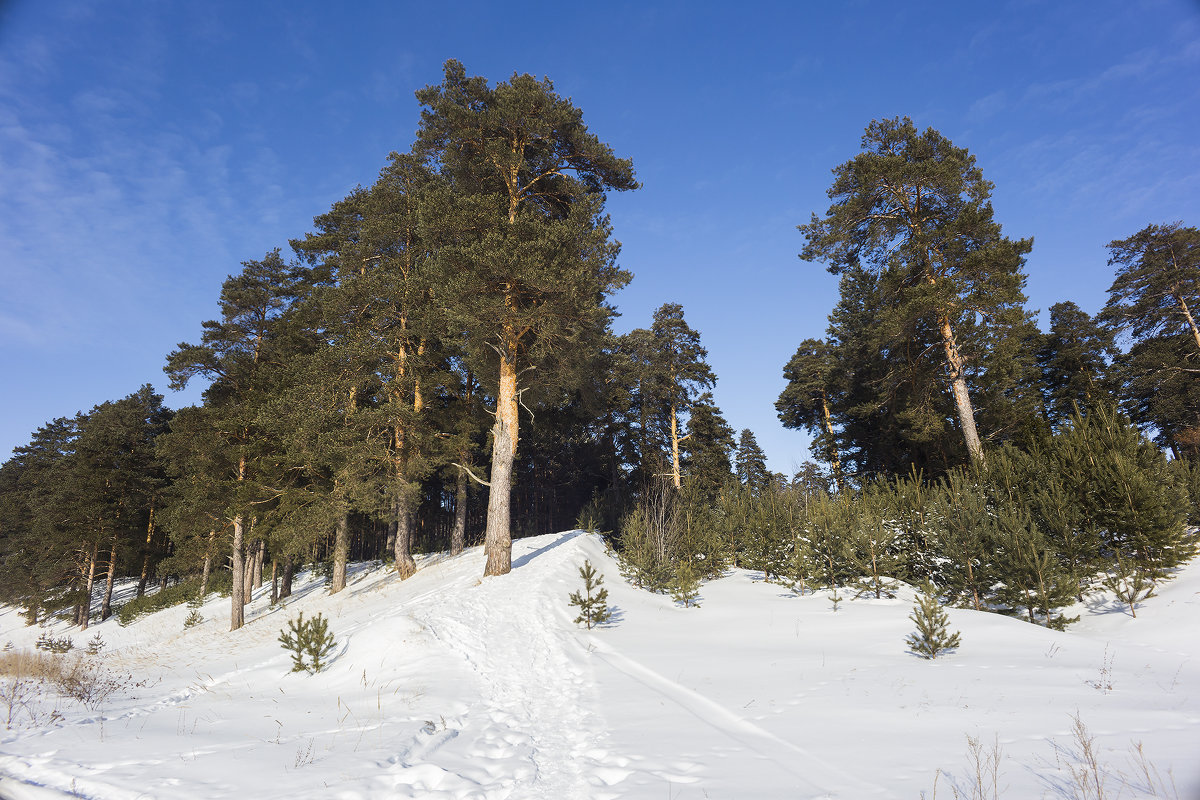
pixel 446 686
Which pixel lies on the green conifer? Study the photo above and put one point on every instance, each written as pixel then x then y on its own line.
pixel 593 600
pixel 310 642
pixel 686 587
pixel 932 636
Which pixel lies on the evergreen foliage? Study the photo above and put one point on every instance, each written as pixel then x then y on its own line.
pixel 810 394
pixel 751 463
pixel 927 278
pixel 708 448
pixel 309 641
pixel 668 375
pixel 525 248
pixel 352 392
pixel 685 589
pixel 1152 305
pixel 932 637
pixel 1073 360
pixel 592 601
pixel 1130 582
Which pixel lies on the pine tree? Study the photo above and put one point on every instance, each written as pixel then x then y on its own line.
pixel 678 372
pixel 244 355
pixel 593 600
pixel 1158 388
pixel 525 246
pixel 932 637
pixel 685 589
pixel 807 400
pixel 670 373
pixel 965 539
pixel 751 463
pixel 1073 359
pixel 383 353
pixel 1152 306
pixel 1130 493
pixel 37 547
pixel 873 534
pixel 1156 290
pixel 914 209
pixel 708 449
pixel 310 642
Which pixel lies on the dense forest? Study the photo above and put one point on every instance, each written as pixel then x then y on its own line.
pixel 433 366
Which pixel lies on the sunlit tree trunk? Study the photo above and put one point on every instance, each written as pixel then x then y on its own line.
pixel 106 604
pixel 85 607
pixel 497 542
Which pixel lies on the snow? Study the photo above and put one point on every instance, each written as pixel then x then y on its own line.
pixel 451 686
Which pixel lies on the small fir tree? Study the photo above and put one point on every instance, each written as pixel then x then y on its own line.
pixel 1129 582
pixel 593 600
pixel 686 587
pixel 932 636
pixel 310 642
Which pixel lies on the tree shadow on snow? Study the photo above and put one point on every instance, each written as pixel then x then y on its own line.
pixel 616 615
pixel 525 559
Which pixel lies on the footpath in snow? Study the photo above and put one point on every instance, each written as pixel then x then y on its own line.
pixel 449 686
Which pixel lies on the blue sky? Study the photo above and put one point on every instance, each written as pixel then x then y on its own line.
pixel 147 148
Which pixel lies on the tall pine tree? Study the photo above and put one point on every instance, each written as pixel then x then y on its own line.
pixel 528 252
pixel 915 210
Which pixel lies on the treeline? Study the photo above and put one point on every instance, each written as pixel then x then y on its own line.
pixel 955 441
pixel 433 366
pixel 1095 505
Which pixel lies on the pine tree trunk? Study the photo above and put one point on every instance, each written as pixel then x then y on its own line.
pixel 237 599
pixel 285 585
pixel 106 604
pixel 341 547
pixel 402 518
pixel 1187 313
pixel 835 461
pixel 85 608
pixel 248 571
pixel 458 536
pixel 145 576
pixel 274 581
pixel 207 564
pixel 675 476
pixel 962 400
pixel 260 555
pixel 497 541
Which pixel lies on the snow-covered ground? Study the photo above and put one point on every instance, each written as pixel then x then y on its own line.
pixel 446 686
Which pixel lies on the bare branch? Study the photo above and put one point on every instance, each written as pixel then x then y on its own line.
pixel 522 402
pixel 474 477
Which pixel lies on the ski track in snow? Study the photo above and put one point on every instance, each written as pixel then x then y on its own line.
pixel 817 777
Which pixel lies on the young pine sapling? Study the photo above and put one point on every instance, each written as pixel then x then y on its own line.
pixel 310 642
pixel 932 636
pixel 593 600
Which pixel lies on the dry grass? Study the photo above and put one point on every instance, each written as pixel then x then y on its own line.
pixel 34 684
pixel 1083 773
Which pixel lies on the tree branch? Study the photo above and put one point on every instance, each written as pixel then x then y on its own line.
pixel 474 477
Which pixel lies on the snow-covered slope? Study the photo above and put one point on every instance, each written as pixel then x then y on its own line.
pixel 446 686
